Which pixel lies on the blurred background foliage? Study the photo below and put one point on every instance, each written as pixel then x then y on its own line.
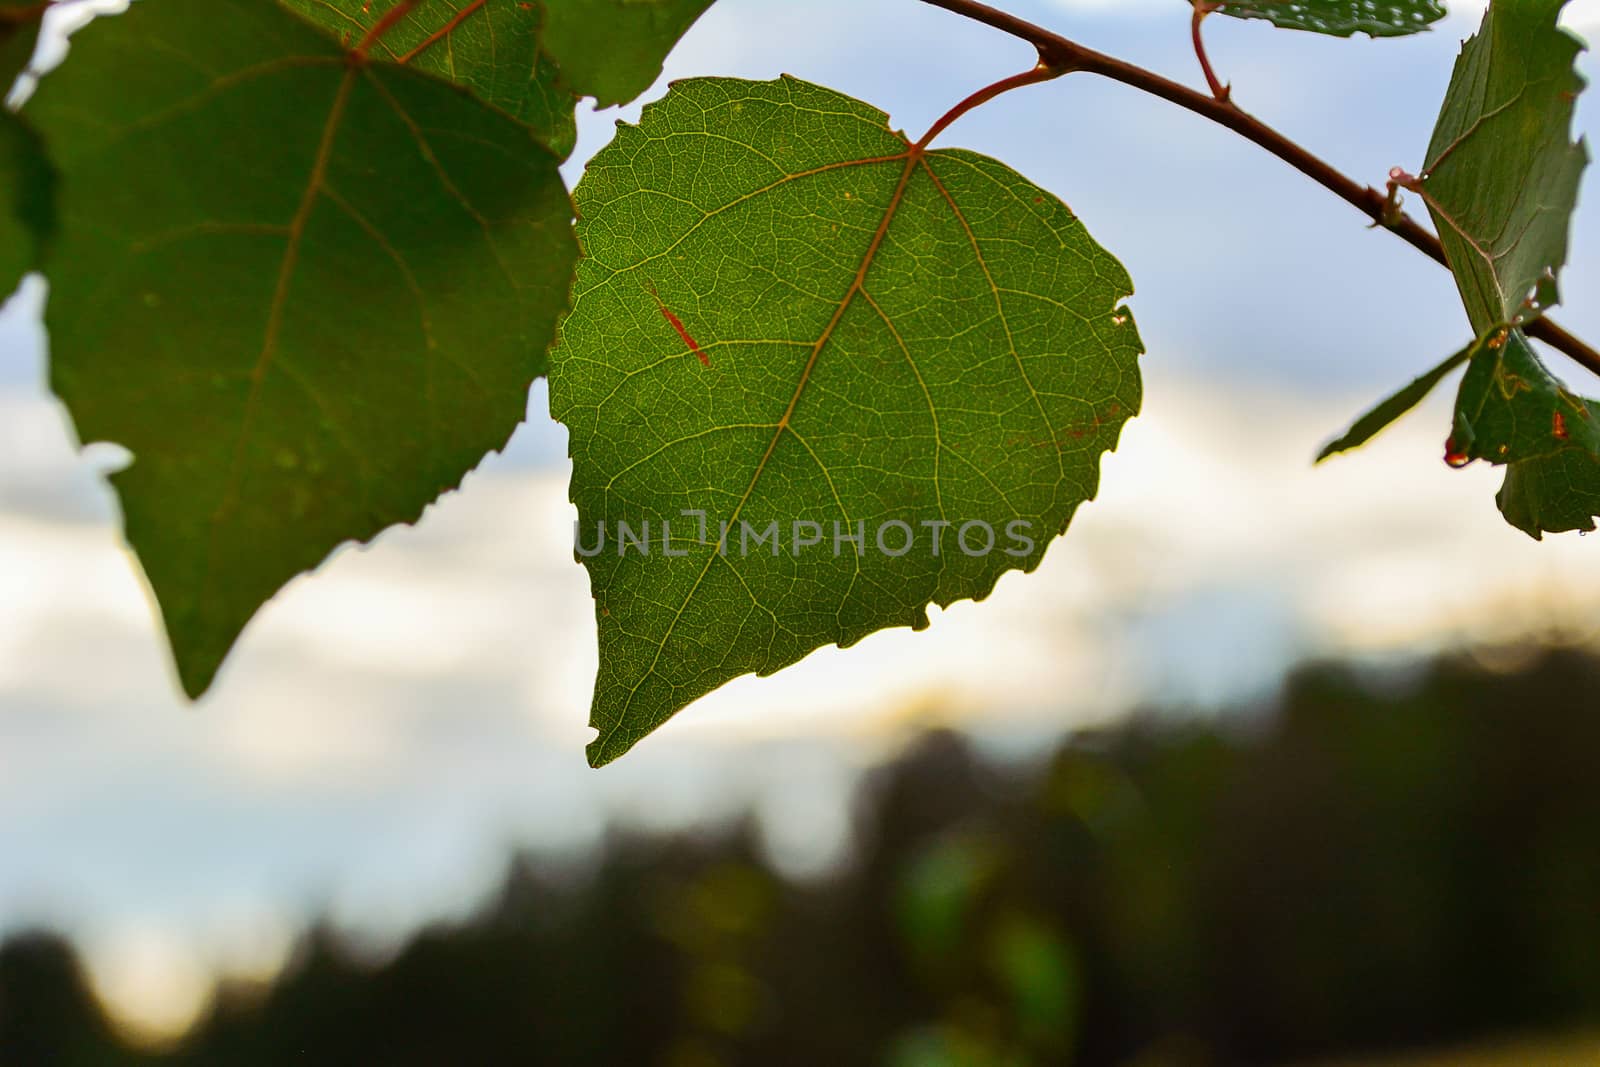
pixel 1378 864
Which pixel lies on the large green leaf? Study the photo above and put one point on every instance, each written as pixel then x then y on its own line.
pixel 880 336
pixel 1341 18
pixel 306 292
pixel 612 50
pixel 27 184
pixel 1511 410
pixel 490 46
pixel 1502 176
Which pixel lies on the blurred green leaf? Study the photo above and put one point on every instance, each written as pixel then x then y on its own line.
pixel 1036 963
pixel 307 293
pixel 1502 177
pixel 947 1045
pixel 1341 18
pixel 882 336
pixel 937 895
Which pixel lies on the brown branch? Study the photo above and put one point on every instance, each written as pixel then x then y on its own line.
pixel 1059 52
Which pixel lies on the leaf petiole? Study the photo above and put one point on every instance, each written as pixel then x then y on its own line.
pixel 1044 71
pixel 1202 8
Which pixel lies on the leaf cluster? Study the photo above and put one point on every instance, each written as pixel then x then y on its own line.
pixel 307 256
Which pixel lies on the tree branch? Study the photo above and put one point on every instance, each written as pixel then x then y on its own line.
pixel 1059 52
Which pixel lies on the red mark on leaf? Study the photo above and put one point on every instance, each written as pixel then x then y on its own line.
pixel 1558 425
pixel 677 324
pixel 1453 456
pixel 1065 437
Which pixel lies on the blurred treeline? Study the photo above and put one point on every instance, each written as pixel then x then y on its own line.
pixel 1378 863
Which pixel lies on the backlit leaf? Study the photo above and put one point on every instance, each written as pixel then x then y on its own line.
pixel 788 318
pixel 1502 174
pixel 1341 18
pixel 1556 493
pixel 492 47
pixel 307 293
pixel 1511 410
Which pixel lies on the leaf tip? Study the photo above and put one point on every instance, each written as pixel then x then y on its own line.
pixel 606 748
pixel 197 667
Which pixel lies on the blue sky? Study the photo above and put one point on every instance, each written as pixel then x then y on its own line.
pixel 389 727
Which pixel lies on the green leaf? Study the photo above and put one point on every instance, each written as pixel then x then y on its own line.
pixel 1379 418
pixel 612 50
pixel 880 336
pixel 1502 176
pixel 1501 183
pixel 1511 410
pixel 27 182
pixel 492 48
pixel 1341 18
pixel 306 292
pixel 1557 493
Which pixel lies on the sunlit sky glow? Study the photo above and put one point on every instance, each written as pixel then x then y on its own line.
pixel 390 727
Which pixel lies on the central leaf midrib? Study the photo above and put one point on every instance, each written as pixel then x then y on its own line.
pixel 269 341
pixel 913 156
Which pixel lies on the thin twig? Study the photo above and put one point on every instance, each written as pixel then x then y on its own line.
pixel 1064 54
